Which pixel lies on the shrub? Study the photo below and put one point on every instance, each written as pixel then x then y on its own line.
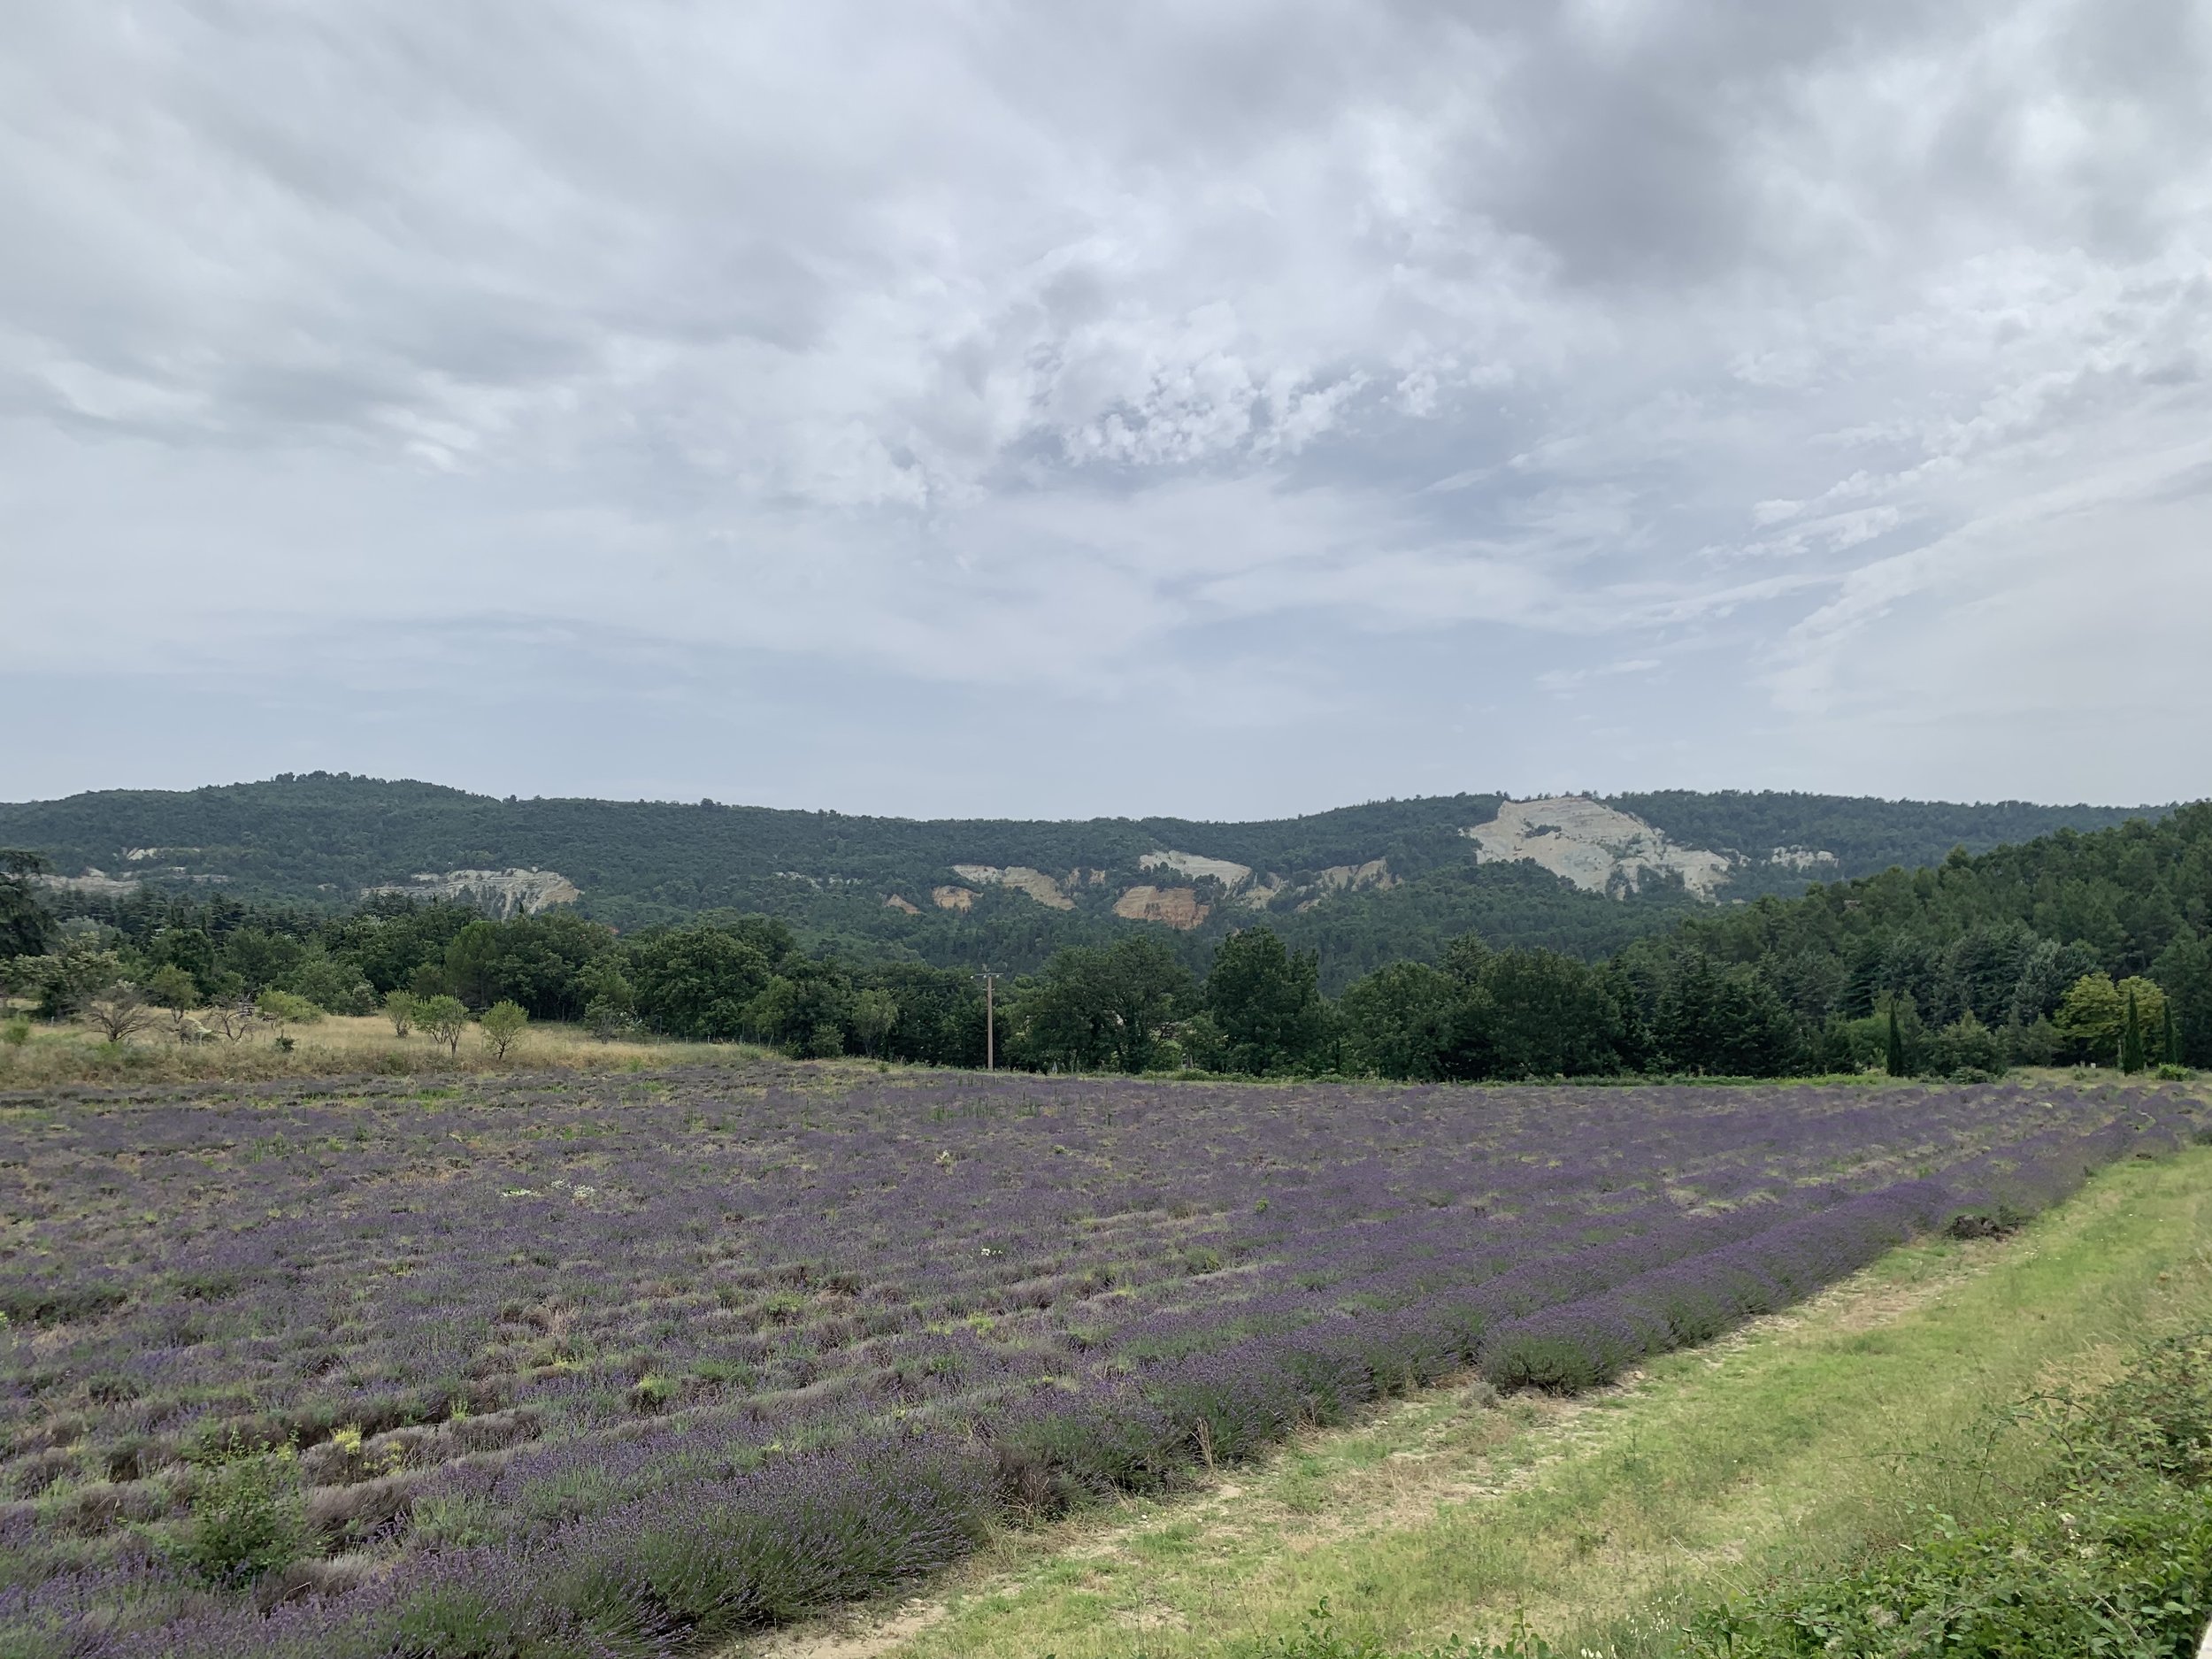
pixel 1051 1453
pixel 51 1303
pixel 2112 1555
pixel 731 1554
pixel 607 1019
pixel 283 1008
pixel 247 1517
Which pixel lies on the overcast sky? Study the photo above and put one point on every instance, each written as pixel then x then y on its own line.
pixel 1216 408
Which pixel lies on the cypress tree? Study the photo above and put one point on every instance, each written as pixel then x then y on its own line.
pixel 1894 1061
pixel 2170 1043
pixel 2131 1038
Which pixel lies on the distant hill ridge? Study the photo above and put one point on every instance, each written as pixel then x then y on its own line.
pixel 1582 873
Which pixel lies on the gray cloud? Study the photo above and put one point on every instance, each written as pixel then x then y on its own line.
pixel 1352 390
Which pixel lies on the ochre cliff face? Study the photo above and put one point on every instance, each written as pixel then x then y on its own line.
pixel 1172 907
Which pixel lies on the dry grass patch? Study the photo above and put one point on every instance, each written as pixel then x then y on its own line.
pixel 335 1045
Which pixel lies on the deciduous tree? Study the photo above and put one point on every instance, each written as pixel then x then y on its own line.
pixel 1398 1021
pixel 444 1020
pixel 502 1023
pixel 2093 1017
pixel 118 1012
pixel 697 982
pixel 1267 1001
pixel 283 1008
pixel 874 1013
pixel 172 988
pixel 1093 1008
pixel 235 1019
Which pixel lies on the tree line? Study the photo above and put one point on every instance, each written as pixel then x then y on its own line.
pixel 2076 947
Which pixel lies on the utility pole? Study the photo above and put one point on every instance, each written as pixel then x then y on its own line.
pixel 990 1020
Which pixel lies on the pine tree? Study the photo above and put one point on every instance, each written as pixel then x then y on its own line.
pixel 2131 1038
pixel 1896 1058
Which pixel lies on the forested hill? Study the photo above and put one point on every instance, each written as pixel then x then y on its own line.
pixel 1997 941
pixel 1362 884
pixel 1867 835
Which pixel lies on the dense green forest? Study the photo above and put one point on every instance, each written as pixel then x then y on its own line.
pixel 318 841
pixel 1867 835
pixel 2077 947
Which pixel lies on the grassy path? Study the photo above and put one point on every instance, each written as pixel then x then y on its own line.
pixel 1443 1514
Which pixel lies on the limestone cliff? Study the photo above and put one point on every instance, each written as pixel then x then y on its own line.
pixel 503 891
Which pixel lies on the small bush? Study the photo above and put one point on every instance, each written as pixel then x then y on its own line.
pixel 607 1019
pixel 249 1518
pixel 60 1303
pixel 283 1008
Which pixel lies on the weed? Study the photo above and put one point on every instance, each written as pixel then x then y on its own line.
pixel 2112 1556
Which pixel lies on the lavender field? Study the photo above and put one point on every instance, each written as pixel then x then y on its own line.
pixel 579 1365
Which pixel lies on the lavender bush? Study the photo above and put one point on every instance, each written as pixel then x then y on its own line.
pixel 585 1366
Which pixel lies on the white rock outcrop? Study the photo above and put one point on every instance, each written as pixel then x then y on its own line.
pixel 95 880
pixel 504 891
pixel 1040 887
pixel 1229 873
pixel 1598 849
pixel 1805 858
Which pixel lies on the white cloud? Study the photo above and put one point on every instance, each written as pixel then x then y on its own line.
pixel 1307 363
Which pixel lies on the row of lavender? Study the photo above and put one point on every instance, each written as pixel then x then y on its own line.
pixel 585 1372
